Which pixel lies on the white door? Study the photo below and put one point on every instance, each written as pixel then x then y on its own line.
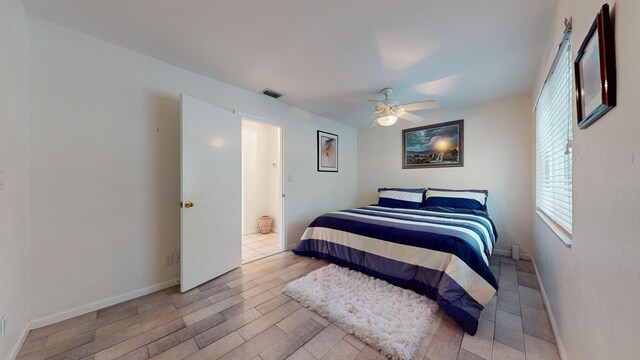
pixel 211 170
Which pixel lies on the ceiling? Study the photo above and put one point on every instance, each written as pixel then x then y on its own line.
pixel 328 57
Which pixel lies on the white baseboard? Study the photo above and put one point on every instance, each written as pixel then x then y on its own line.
pixel 251 232
pixel 552 320
pixel 80 310
pixel 507 253
pixel 18 345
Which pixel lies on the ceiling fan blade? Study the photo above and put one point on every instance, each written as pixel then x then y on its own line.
pixel 408 116
pixel 423 105
pixel 374 123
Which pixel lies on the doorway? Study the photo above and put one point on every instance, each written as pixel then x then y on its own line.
pixel 262 221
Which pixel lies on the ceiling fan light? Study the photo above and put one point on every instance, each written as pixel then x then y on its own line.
pixel 387 120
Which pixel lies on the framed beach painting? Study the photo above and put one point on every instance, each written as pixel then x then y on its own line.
pixel 327 152
pixel 438 145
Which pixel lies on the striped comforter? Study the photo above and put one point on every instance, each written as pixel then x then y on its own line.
pixel 440 253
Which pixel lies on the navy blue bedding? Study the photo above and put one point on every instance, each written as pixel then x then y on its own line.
pixel 440 252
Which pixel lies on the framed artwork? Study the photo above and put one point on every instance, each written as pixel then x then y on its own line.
pixel 595 71
pixel 439 145
pixel 327 152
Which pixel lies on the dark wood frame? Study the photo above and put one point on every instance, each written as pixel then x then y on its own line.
pixel 602 25
pixel 460 123
pixel 318 150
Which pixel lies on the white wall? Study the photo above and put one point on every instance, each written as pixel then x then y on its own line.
pixel 261 188
pixel 594 286
pixel 105 151
pixel 498 152
pixel 14 152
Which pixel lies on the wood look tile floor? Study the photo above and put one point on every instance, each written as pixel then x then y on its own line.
pixel 244 315
pixel 258 246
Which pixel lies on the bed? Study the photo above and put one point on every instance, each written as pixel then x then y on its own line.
pixel 437 251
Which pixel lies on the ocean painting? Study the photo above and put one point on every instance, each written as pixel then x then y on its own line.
pixel 439 145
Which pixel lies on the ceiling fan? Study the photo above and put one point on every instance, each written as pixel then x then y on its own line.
pixel 388 110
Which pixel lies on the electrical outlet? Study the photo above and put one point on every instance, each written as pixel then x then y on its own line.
pixel 3 325
pixel 168 260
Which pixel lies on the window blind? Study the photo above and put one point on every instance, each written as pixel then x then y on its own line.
pixel 554 136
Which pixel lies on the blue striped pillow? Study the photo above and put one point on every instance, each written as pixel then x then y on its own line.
pixel 460 199
pixel 400 198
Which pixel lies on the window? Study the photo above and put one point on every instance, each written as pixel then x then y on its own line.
pixel 554 135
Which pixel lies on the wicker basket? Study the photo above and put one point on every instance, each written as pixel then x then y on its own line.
pixel 265 224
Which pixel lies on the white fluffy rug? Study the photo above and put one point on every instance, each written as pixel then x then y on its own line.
pixel 389 318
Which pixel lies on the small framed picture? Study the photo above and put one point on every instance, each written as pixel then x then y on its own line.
pixel 438 145
pixel 327 152
pixel 595 71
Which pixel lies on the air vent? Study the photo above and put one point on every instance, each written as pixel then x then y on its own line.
pixel 271 93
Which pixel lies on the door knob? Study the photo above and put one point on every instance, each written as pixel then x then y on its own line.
pixel 189 204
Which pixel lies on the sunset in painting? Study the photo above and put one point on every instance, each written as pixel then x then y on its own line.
pixel 433 146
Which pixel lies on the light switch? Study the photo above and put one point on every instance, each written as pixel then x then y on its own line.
pixel 290 178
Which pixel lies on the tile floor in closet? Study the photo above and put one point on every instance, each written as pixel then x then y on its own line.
pixel 257 246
